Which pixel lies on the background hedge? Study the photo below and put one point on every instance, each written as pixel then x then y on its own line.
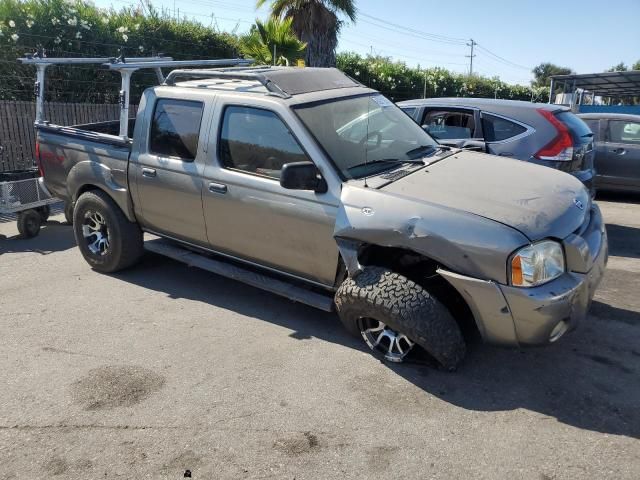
pixel 74 28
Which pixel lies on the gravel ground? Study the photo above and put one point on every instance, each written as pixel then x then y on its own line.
pixel 163 368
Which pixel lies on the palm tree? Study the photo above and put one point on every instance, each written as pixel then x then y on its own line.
pixel 316 23
pixel 273 35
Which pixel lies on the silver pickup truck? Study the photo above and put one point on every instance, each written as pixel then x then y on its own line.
pixel 308 184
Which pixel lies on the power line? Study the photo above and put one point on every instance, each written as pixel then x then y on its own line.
pixel 502 59
pixel 428 36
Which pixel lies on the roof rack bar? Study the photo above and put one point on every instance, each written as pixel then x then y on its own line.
pixel 85 60
pixel 163 63
pixel 228 74
pixel 125 66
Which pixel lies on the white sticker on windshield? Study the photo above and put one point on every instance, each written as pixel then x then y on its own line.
pixel 382 101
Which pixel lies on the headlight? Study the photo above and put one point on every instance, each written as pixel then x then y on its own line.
pixel 537 264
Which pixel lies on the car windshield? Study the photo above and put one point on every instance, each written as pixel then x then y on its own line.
pixel 366 135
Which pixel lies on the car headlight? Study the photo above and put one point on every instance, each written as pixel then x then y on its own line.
pixel 537 264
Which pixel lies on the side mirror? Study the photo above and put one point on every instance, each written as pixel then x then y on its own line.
pixel 302 176
pixel 425 128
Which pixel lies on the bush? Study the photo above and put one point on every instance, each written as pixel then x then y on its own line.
pixel 399 82
pixel 70 28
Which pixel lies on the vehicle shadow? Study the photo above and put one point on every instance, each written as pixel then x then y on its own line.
pixel 54 236
pixel 588 380
pixel 623 240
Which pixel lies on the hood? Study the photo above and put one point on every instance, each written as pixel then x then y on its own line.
pixel 538 201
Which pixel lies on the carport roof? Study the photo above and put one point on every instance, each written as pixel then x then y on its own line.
pixel 607 84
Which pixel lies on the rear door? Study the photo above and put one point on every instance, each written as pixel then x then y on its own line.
pixel 621 160
pixel 167 175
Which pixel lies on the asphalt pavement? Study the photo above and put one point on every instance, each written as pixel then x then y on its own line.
pixel 165 368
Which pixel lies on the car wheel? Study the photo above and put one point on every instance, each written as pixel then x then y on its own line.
pixel 29 223
pixel 393 315
pixel 108 241
pixel 45 212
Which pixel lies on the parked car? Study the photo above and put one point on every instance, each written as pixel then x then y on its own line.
pixel 541 133
pixel 617 147
pixel 307 184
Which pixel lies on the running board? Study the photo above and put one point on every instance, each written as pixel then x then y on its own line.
pixel 229 270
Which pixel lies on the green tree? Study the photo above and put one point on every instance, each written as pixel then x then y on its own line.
pixel 621 67
pixel 636 66
pixel 316 23
pixel 544 71
pixel 273 35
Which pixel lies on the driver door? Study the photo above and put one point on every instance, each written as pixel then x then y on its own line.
pixel 249 215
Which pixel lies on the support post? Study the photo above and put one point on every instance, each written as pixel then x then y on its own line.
pixel 39 91
pixel 124 102
pixel 551 88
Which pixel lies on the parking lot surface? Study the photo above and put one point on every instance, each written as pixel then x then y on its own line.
pixel 164 368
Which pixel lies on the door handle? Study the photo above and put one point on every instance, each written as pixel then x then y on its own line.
pixel 217 187
pixel 619 151
pixel 148 172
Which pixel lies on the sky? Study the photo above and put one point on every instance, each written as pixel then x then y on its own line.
pixel 512 36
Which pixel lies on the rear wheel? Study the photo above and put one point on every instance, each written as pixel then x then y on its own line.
pixel 29 223
pixel 108 241
pixel 394 315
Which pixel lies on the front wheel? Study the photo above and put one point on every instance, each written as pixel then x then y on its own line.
pixel 393 315
pixel 107 240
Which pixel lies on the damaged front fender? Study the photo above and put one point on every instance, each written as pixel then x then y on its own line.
pixel 460 241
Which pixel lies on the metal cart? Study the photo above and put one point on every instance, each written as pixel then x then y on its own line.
pixel 24 193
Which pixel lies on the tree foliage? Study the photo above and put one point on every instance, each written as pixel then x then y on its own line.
pixel 543 72
pixel 399 82
pixel 70 28
pixel 276 35
pixel 316 23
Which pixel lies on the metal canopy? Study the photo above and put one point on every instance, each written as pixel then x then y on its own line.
pixel 607 84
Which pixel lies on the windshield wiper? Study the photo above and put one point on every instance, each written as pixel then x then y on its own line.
pixel 428 150
pixel 388 160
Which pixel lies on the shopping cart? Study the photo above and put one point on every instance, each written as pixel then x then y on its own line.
pixel 22 192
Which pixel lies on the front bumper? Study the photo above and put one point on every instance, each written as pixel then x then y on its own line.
pixel 515 316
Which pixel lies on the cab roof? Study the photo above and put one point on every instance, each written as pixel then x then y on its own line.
pixel 282 81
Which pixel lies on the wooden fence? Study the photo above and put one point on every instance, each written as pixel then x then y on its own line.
pixel 17 135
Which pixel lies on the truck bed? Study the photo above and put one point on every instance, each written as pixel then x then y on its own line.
pixel 94 150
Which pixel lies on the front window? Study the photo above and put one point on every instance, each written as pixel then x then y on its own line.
pixel 365 135
pixel 256 141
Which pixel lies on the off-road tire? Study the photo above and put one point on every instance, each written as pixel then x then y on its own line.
pixel 29 222
pixel 125 238
pixel 68 212
pixel 404 306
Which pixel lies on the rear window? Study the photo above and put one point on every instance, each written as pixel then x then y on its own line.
pixel 496 129
pixel 175 128
pixel 621 131
pixel 579 130
pixel 594 126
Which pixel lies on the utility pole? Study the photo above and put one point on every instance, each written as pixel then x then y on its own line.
pixel 472 44
pixel 424 95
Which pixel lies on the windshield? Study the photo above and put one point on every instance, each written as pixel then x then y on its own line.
pixel 365 135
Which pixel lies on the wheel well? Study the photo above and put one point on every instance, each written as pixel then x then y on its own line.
pixel 84 189
pixel 423 271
